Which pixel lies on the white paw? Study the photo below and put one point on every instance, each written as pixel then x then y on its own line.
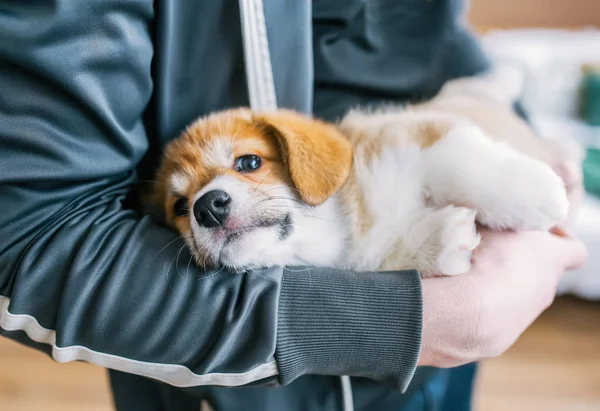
pixel 457 241
pixel 549 202
pixel 533 197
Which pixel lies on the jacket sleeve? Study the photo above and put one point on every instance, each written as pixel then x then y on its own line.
pixel 82 277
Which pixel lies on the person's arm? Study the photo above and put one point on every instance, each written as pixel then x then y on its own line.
pixel 84 278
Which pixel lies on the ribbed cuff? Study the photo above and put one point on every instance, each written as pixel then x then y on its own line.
pixel 333 322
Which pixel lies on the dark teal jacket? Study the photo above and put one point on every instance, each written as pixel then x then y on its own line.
pixel 91 91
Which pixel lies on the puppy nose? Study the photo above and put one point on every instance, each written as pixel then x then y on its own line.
pixel 212 208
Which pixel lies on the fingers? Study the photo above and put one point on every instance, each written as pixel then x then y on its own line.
pixel 559 231
pixel 576 195
pixel 570 172
pixel 568 252
pixel 573 253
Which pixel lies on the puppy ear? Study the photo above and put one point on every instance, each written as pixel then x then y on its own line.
pixel 318 155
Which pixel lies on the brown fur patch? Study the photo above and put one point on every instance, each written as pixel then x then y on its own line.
pixel 318 155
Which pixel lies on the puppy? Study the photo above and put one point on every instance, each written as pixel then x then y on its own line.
pixel 400 188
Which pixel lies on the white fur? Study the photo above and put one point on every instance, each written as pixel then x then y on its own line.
pixel 316 236
pixel 506 188
pixel 179 183
pixel 424 202
pixel 218 153
pixel 433 240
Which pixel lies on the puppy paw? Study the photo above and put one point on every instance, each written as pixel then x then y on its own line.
pixel 458 238
pixel 533 198
pixel 549 203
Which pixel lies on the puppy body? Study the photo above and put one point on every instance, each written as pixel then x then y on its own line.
pixel 421 191
pixel 391 189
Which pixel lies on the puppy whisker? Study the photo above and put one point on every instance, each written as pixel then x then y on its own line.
pixel 305 206
pixel 220 270
pixel 173 259
pixel 287 198
pixel 168 244
pixel 282 187
pixel 262 181
pixel 189 262
pixel 177 259
pixel 292 206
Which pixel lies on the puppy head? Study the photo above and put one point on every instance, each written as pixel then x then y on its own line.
pixel 238 185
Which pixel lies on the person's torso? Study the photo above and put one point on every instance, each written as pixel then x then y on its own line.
pixel 326 56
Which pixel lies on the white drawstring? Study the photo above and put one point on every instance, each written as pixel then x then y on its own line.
pixel 347 393
pixel 261 90
pixel 259 73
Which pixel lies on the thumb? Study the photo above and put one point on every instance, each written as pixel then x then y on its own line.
pixel 571 252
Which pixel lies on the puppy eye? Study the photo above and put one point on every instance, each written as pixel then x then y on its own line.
pixel 249 163
pixel 181 207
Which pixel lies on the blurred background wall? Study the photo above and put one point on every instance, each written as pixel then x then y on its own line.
pixel 488 14
pixel 555 365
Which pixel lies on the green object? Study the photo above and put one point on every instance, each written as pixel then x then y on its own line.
pixel 591 171
pixel 591 97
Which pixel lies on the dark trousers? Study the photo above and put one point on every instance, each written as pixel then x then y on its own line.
pixel 449 390
pixel 442 390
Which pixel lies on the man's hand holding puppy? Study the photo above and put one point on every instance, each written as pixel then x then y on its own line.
pixel 480 314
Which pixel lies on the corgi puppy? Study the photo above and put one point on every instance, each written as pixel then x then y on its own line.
pixel 398 188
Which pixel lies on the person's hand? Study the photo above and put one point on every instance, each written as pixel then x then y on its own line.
pixel 567 163
pixel 481 314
